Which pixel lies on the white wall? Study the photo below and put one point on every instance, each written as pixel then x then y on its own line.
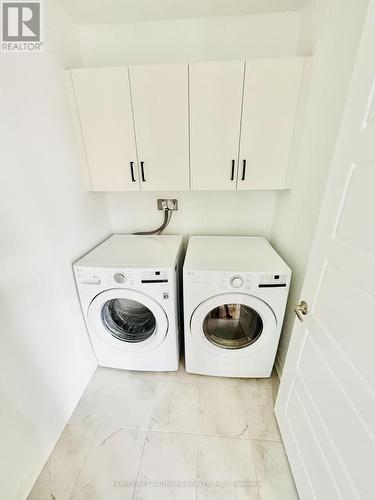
pixel 212 212
pixel 188 40
pixel 199 39
pixel 47 221
pixel 331 31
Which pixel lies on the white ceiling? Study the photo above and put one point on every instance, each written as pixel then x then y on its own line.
pixel 125 11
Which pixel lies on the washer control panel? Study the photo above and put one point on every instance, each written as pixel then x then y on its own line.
pixel 152 276
pixel 128 278
pixel 236 282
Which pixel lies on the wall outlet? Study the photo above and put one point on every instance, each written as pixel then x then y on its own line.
pixel 167 204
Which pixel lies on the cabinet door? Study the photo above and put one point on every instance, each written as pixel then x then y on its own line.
pixel 104 107
pixel 271 92
pixel 160 105
pixel 215 114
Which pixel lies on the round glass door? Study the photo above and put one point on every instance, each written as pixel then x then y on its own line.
pixel 232 326
pixel 128 320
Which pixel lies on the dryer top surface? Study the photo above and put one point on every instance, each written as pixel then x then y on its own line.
pixel 133 251
pixel 233 253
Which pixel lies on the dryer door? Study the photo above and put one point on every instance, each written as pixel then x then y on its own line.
pixel 127 320
pixel 233 323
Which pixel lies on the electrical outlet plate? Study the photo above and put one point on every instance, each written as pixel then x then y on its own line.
pixel 170 204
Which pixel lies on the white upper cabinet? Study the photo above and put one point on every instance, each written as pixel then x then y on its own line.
pixel 203 126
pixel 104 107
pixel 215 115
pixel 160 106
pixel 271 94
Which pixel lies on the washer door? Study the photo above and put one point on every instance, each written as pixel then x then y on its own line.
pixel 233 323
pixel 128 320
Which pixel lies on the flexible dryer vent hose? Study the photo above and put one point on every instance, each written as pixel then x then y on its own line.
pixel 159 230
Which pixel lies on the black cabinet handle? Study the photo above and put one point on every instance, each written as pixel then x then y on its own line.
pixel 243 170
pixel 132 170
pixel 232 174
pixel 143 172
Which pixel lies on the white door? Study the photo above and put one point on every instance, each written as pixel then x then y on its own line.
pixel 215 115
pixel 271 92
pixel 161 116
pixel 326 402
pixel 105 113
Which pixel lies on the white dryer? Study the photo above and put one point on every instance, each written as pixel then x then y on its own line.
pixel 128 289
pixel 235 294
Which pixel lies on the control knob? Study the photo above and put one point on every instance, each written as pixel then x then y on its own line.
pixel 119 278
pixel 236 282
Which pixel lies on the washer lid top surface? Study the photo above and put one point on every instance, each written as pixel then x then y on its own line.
pixel 233 253
pixel 126 251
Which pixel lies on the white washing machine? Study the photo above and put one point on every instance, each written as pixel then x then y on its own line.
pixel 128 288
pixel 235 294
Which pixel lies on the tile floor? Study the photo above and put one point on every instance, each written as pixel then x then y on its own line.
pixel 139 435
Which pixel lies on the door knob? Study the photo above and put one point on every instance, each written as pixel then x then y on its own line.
pixel 301 310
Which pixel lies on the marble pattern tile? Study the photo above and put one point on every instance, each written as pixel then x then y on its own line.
pixel 222 411
pixel 231 381
pixel 180 376
pixel 234 493
pixel 175 408
pixel 273 472
pixel 42 487
pixel 111 466
pixel 140 375
pixel 131 403
pixel 169 426
pixel 225 469
pixel 60 473
pixel 168 467
pixel 259 404
pixel 103 371
pixel 94 400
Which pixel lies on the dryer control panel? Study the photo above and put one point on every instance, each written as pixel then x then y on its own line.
pixel 254 280
pixel 227 280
